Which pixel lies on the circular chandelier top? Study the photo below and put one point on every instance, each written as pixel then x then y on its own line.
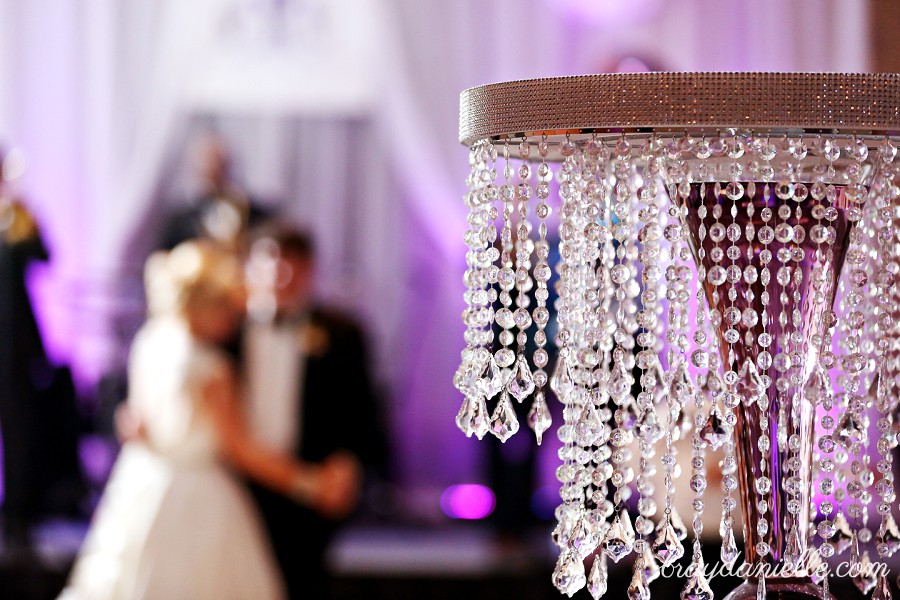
pixel 620 103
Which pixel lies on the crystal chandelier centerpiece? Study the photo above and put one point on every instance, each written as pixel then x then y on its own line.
pixel 728 249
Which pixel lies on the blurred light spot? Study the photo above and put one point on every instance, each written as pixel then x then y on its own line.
pixel 607 13
pixel 468 501
pixel 13 164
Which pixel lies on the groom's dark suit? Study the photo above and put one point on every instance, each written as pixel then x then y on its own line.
pixel 338 413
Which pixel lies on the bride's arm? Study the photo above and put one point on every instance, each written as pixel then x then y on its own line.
pixel 301 481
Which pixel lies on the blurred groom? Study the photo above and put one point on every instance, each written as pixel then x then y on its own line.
pixel 308 393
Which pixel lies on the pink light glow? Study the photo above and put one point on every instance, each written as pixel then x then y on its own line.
pixel 607 12
pixel 469 501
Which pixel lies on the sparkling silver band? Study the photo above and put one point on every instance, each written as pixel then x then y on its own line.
pixel 846 102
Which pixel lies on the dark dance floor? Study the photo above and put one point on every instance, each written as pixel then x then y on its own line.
pixel 384 563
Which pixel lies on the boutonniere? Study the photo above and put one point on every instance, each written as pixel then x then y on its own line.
pixel 314 340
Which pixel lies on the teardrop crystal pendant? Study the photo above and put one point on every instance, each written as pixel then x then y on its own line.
pixel 466 378
pixel 730 550
pixel 638 589
pixel 478 418
pixel 882 589
pixel 569 577
pixel 582 538
pixel 494 379
pixel 792 549
pixel 618 543
pixel 850 429
pixel 667 547
pixel 504 423
pixel 589 426
pixel 697 587
pixel 651 570
pixel 464 416
pixel 649 428
pixel 620 383
pixel 751 385
pixel 561 382
pixel 714 432
pixel 855 557
pixel 889 536
pixel 522 383
pixel 539 418
pixel 817 386
pixel 865 579
pixel 598 579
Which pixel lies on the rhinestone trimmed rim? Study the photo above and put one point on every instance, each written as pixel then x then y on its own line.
pixel 622 102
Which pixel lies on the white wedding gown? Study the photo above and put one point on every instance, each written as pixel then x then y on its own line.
pixel 173 523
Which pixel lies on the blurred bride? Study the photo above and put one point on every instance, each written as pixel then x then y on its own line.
pixel 174 522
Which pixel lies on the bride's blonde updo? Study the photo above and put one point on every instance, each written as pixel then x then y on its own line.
pixel 191 276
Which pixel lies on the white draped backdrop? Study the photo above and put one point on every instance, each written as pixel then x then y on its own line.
pixel 342 113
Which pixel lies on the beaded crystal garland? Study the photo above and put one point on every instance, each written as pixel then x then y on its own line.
pixel 728 249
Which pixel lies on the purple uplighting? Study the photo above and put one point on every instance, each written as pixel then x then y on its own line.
pixel 470 501
pixel 608 12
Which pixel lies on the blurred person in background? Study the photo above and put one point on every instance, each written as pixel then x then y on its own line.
pixel 41 473
pixel 174 521
pixel 309 393
pixel 222 212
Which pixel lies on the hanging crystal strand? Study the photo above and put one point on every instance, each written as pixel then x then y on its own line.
pixel 539 418
pixel 851 428
pixel 859 150
pixel 597 229
pixel 704 356
pixel 749 317
pixel 711 426
pixel 591 430
pixel 817 390
pixel 678 385
pixel 504 423
pixel 506 279
pixel 569 575
pixel 648 427
pixel 619 540
pixel 887 152
pixel 888 536
pixel 791 276
pixel 697 586
pixel 844 537
pixel 666 546
pixel 764 361
pixel 479 296
pixel 871 221
pixel 598 210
